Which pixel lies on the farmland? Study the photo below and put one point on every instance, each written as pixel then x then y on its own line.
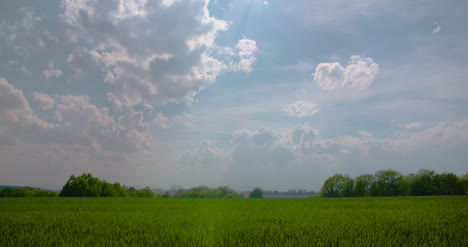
pixel 402 221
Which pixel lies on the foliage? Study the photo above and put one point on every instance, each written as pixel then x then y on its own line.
pixel 256 193
pixel 393 183
pixel 402 221
pixel 88 186
pixel 291 192
pixel 205 192
pixel 26 192
pixel 464 183
pixel 362 185
pixel 388 183
pixel 337 186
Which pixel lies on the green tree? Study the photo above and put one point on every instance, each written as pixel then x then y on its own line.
pixel 423 183
pixel 388 183
pixel 120 190
pixel 337 186
pixel 450 184
pixel 108 190
pixel 256 193
pixel 26 192
pixel 362 185
pixel 464 183
pixel 146 192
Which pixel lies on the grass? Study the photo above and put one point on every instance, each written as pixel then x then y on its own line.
pixel 405 221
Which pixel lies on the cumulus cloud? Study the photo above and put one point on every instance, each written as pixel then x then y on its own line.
pixel 301 109
pixel 78 123
pixel 359 73
pixel 246 49
pixel 148 58
pixel 15 109
pixel 51 71
pixel 272 147
pixel 44 101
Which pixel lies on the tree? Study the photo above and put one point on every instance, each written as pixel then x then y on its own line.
pixel 388 183
pixel 449 184
pixel 362 185
pixel 120 190
pixel 88 186
pixel 256 193
pixel 108 190
pixel 423 183
pixel 26 192
pixel 338 186
pixel 146 192
pixel 464 183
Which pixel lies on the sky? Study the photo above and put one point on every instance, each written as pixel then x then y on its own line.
pixel 277 94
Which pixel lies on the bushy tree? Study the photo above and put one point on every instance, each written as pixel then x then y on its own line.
pixel 464 183
pixel 338 186
pixel 449 184
pixel 423 183
pixel 362 185
pixel 256 193
pixel 388 183
pixel 88 186
pixel 393 183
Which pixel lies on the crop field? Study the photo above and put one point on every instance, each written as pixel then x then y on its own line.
pixel 404 221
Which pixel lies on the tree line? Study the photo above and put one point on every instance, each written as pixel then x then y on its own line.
pixel 394 183
pixel 205 192
pixel 88 186
pixel 26 192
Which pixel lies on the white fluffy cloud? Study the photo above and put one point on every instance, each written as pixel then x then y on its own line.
pixel 44 101
pixel 51 71
pixel 302 109
pixel 77 123
pixel 148 57
pixel 15 109
pixel 359 73
pixel 246 49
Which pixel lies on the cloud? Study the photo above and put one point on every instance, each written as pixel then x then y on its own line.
pixel 207 162
pixel 77 123
pixel 301 152
pixel 51 71
pixel 414 125
pixel 365 134
pixel 44 101
pixel 15 109
pixel 359 73
pixel 246 49
pixel 437 27
pixel 301 109
pixel 205 155
pixel 271 147
pixel 153 52
pixel 161 121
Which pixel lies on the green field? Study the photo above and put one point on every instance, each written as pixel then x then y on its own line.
pixel 406 221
